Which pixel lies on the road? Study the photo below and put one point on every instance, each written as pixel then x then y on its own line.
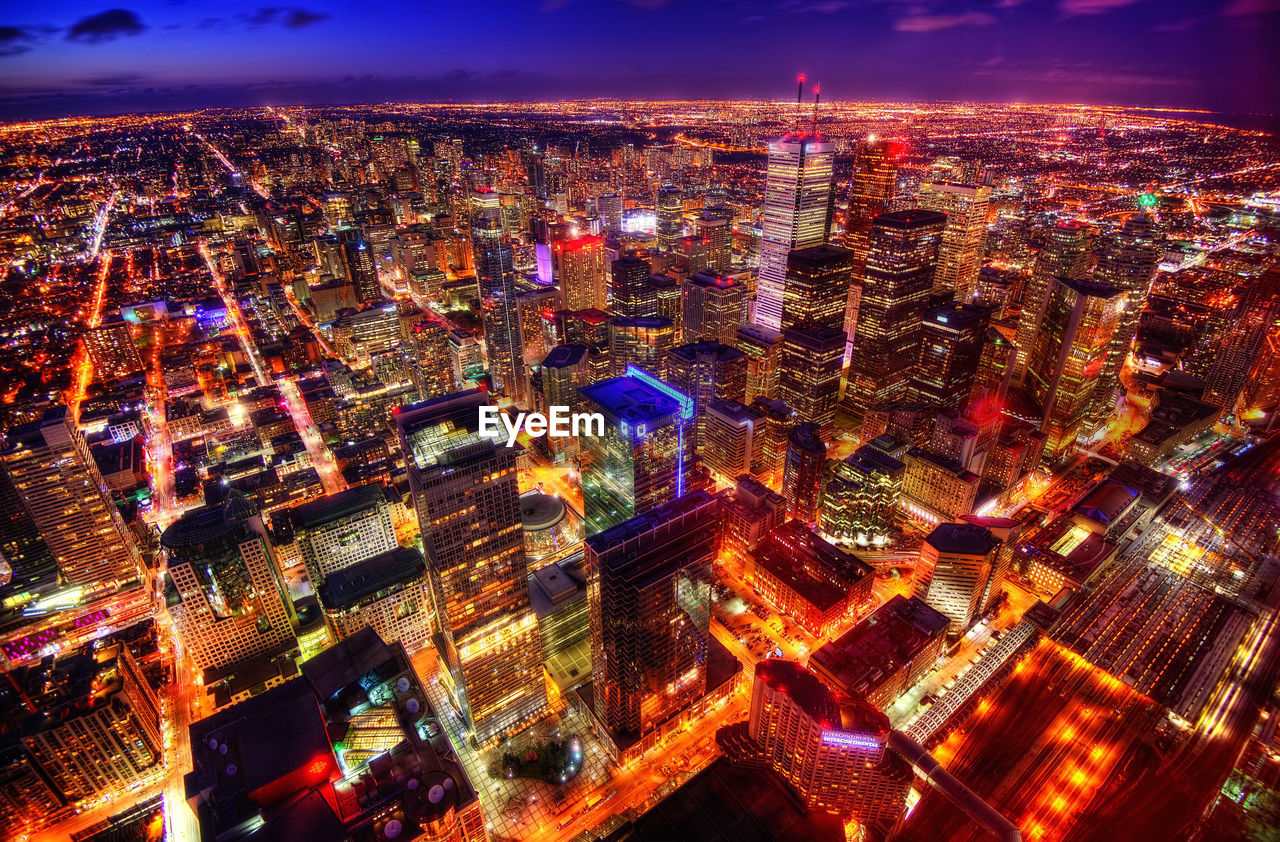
pixel 82 368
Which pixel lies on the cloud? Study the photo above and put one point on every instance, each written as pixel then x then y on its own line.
pixel 1241 8
pixel 106 26
pixel 15 40
pixel 1072 8
pixel 290 17
pixel 933 23
pixel 112 80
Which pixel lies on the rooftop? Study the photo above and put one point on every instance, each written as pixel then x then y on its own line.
pixel 636 398
pixel 880 645
pixel 347 587
pixel 962 539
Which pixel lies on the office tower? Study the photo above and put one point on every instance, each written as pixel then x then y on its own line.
pixel 669 210
pixel 1243 341
pixel 776 423
pixel 630 293
pixel 1065 255
pixel 27 566
pixel 716 232
pixel 691 255
pixel 994 376
pixel 359 337
pixel 649 587
pixel 809 374
pixel 964 238
pixel 1079 321
pixel 816 289
pixel 860 499
pixel 49 464
pixel 387 592
pixel 902 254
pixel 432 366
pixel 951 342
pixel 706 371
pixel 564 371
pixel 871 189
pixel 357 260
pixel 796 208
pixel 643 341
pixel 957 561
pixel 223 587
pixel 715 306
pixel 338 530
pixel 832 748
pixel 537 309
pixel 732 443
pixel 578 267
pixel 802 472
pixel 643 458
pixel 763 347
pixel 609 206
pixel 467 497
pixel 936 488
pixel 668 299
pixel 112 352
pixel 495 277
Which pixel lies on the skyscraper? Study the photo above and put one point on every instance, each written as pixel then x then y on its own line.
pixel 902 256
pixel 716 232
pixel 495 277
pixel 643 458
pixel 763 347
pixel 965 236
pixel 431 369
pixel 643 341
pixel 357 258
pixel 1242 344
pixel 715 306
pixel 669 209
pixel 27 565
pixel 707 371
pixel 466 493
pixel 802 472
pixel 817 287
pixel 649 591
pixel 609 206
pixel 1065 255
pixel 809 374
pixel 579 268
pixel 1080 318
pixel 796 206
pixel 338 530
pixel 957 561
pixel 872 187
pixel 951 342
pixel 631 295
pixel 859 501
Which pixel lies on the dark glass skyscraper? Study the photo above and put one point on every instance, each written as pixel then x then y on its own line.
pixel 816 288
pixel 871 189
pixel 951 341
pixel 496 279
pixel 670 222
pixel 631 294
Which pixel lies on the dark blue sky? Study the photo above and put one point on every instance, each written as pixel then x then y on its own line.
pixel 84 56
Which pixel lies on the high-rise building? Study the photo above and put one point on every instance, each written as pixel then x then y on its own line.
pixel 223 586
pixel 669 210
pixel 902 255
pixel 797 203
pixel 817 287
pixel 432 367
pixel 871 189
pixel 763 347
pixel 964 238
pixel 578 267
pixel 609 206
pixel 27 566
pixel 809 374
pixel 1065 255
pixel 642 341
pixel 1243 341
pixel 644 457
pixel 339 530
pixel 777 419
pixel 951 343
pixel 715 306
pixel 495 277
pixel 112 352
pixel 732 444
pixel 54 474
pixel 707 371
pixel 860 499
pixel 467 497
pixel 668 299
pixel 357 259
pixel 957 561
pixel 994 376
pixel 387 592
pixel 802 472
pixel 1080 319
pixel 716 232
pixel 649 587
pixel 630 293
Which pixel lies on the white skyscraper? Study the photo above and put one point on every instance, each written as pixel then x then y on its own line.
pixel 797 197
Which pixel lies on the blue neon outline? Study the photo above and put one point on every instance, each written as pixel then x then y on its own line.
pixel 686 412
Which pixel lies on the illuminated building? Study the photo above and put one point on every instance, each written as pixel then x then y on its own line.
pixel 669 210
pixel 831 747
pixel 763 347
pixel 860 499
pixel 53 472
pixel 563 372
pixel 964 237
pixel 387 592
pixel 936 488
pixel 537 313
pixel 630 293
pixel 809 374
pixel 1065 255
pixel 1070 353
pixel 795 215
pixel 1244 340
pixel 1175 420
pixel 495 277
pixel 707 371
pixel 715 307
pixel 28 570
pixel 871 188
pixel 112 352
pixel 885 653
pixel 466 493
pixel 808 579
pixel 668 298
pixel 432 366
pixel 579 269
pixel 776 422
pixel 641 341
pixel 716 232
pixel 802 472
pixel 339 530
pixel 559 595
pixel 902 254
pixel 994 374
pixel 749 512
pixel 359 337
pixel 816 289
pixel 957 561
pixel 1062 554
pixel 731 445
pixel 649 591
pixel 644 457
pixel 357 259
pixel 551 530
pixel 951 343
pixel 222 586
pixel 609 206
pixel 271 765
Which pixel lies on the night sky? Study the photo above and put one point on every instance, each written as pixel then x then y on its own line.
pixel 81 57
